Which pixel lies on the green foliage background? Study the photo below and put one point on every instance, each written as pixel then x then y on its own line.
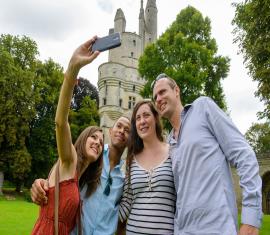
pixel 28 101
pixel 252 30
pixel 188 54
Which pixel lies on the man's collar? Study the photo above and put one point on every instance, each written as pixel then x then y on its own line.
pixel 106 148
pixel 106 153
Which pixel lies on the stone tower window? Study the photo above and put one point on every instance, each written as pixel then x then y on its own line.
pixel 132 53
pixel 106 88
pixel 131 102
pixel 134 88
pixel 120 102
pixel 104 101
pixel 134 42
pixel 119 89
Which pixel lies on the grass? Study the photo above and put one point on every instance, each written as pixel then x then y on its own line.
pixel 265 230
pixel 17 216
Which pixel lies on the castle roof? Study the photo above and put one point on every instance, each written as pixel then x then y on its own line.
pixel 151 3
pixel 119 15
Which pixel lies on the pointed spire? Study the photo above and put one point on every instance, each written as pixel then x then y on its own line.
pixel 141 15
pixel 141 22
pixel 119 21
pixel 151 3
pixel 119 14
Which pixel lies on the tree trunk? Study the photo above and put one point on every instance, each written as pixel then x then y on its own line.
pixel 1 182
pixel 18 187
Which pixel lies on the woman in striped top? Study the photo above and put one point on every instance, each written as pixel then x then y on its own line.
pixel 148 202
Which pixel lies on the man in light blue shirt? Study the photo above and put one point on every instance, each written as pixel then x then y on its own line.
pixel 100 210
pixel 203 144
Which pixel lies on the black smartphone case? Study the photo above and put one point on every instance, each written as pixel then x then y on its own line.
pixel 108 42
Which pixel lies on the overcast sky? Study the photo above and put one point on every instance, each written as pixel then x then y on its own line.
pixel 59 26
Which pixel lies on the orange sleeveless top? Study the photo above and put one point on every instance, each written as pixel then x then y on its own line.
pixel 69 202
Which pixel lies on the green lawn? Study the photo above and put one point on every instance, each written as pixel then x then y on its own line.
pixel 17 217
pixel 265 230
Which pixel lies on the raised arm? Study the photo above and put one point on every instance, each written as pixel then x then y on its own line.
pixel 81 57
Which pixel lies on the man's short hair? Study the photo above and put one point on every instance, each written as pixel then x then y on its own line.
pixel 171 81
pixel 122 116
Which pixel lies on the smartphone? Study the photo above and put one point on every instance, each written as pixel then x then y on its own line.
pixel 107 42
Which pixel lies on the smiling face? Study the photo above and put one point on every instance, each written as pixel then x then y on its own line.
pixel 119 132
pixel 166 97
pixel 145 122
pixel 94 146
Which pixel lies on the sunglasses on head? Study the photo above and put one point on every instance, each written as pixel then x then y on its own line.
pixel 160 76
pixel 107 189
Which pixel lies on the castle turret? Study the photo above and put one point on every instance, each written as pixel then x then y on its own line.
pixel 141 21
pixel 119 21
pixel 150 21
pixel 119 81
pixel 142 24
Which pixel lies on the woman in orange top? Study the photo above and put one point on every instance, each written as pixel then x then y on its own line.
pixel 81 160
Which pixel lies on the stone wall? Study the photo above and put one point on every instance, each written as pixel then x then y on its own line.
pixel 264 163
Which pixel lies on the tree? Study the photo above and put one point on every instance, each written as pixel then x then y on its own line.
pixel 28 101
pixel 87 115
pixel 21 157
pixel 187 53
pixel 252 21
pixel 258 136
pixel 84 107
pixel 17 99
pixel 84 88
pixel 41 142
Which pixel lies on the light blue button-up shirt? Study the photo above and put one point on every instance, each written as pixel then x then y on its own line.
pixel 207 144
pixel 100 212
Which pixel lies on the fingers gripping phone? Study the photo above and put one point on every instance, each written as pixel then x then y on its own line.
pixel 107 42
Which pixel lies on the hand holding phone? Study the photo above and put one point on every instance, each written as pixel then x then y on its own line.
pixel 107 42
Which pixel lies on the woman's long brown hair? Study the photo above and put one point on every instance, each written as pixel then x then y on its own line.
pixel 91 176
pixel 135 143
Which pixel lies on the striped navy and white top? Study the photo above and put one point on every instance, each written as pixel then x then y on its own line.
pixel 148 203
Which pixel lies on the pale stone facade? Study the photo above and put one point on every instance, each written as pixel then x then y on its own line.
pixel 119 82
pixel 264 163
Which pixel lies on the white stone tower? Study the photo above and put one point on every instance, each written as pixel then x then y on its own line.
pixel 119 82
pixel 150 22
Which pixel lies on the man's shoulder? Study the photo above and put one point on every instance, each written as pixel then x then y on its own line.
pixel 201 100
